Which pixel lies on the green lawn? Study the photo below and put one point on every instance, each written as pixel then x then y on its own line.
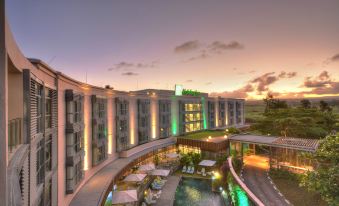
pixel 295 194
pixel 205 134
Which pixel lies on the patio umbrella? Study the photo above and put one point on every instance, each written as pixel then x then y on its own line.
pixel 123 197
pixel 207 163
pixel 172 155
pixel 135 178
pixel 160 172
pixel 147 167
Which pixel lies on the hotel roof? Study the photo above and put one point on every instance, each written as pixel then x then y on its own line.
pixel 309 145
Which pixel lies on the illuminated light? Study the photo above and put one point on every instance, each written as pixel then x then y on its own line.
pixel 178 90
pixel 207 140
pixel 220 188
pixel 217 175
pixel 110 125
pixel 209 137
pixel 153 119
pixel 204 112
pixel 86 135
pixel 225 136
pixel 132 124
pixel 174 117
pixel 226 130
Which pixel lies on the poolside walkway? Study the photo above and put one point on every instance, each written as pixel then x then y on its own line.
pixel 257 181
pixel 94 189
pixel 168 192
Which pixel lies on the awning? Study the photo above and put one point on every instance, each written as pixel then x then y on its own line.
pixel 160 172
pixel 147 167
pixel 126 196
pixel 135 177
pixel 207 163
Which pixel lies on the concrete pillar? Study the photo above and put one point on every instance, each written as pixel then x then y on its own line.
pixel 3 107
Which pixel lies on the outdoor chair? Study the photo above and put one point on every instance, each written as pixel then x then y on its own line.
pixel 188 169
pixel 184 169
pixel 192 170
pixel 203 171
pixel 198 172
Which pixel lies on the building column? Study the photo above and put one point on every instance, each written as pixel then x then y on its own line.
pixel 3 108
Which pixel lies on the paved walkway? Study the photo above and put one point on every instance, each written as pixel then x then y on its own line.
pixel 94 189
pixel 257 181
pixel 168 192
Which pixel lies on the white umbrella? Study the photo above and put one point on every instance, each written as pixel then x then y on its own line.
pixel 126 196
pixel 147 167
pixel 207 163
pixel 160 172
pixel 172 155
pixel 135 178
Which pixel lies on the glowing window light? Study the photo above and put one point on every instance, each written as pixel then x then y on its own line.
pixel 132 124
pixel 110 125
pixel 174 118
pixel 86 134
pixel 153 116
pixel 204 112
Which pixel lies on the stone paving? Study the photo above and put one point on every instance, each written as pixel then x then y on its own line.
pixel 168 192
pixel 94 189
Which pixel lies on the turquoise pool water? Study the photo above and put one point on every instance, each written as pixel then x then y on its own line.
pixel 196 192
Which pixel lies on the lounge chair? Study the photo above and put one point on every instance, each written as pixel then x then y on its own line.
pixel 203 171
pixel 184 169
pixel 198 172
pixel 188 169
pixel 192 170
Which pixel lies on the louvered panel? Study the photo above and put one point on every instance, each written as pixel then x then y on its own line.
pixel 33 104
pixel 54 109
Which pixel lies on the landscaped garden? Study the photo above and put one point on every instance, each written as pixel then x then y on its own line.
pixel 210 133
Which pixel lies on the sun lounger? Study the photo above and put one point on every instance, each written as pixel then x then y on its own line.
pixel 192 170
pixel 188 169
pixel 184 169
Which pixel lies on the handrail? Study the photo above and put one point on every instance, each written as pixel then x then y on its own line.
pixel 243 185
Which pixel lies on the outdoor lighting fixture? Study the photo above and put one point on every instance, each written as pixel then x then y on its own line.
pixel 220 188
pixel 226 130
pixel 225 136
pixel 209 137
pixel 216 175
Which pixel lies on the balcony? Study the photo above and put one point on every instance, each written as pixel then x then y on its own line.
pixel 15 137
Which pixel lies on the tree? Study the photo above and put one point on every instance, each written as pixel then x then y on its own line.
pixel 272 103
pixel 325 178
pixel 305 103
pixel 324 106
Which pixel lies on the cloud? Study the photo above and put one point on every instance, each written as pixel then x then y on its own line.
pixel 129 74
pixel 189 80
pixel 322 80
pixel 220 47
pixel 187 47
pixel 238 93
pixel 129 65
pixel 258 85
pixel 216 47
pixel 335 58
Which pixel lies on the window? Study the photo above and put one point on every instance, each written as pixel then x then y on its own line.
pixel 40 162
pixel 77 111
pixel 78 141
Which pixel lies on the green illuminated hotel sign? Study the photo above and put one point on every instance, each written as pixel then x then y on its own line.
pixel 179 91
pixel 190 92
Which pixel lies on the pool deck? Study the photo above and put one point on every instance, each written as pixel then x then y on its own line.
pixel 168 192
pixel 92 193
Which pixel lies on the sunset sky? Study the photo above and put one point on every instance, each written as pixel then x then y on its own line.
pixel 228 48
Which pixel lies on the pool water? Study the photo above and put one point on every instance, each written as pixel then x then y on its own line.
pixel 196 192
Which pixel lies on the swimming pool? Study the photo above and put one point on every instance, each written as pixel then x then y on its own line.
pixel 196 192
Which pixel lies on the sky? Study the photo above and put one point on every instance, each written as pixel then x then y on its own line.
pixel 228 48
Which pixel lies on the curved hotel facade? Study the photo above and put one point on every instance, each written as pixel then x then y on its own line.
pixel 57 133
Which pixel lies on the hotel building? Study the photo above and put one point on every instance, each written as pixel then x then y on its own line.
pixel 57 132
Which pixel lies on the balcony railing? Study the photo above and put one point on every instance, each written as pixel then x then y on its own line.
pixel 15 137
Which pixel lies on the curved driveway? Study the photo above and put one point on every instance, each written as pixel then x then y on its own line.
pixel 257 181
